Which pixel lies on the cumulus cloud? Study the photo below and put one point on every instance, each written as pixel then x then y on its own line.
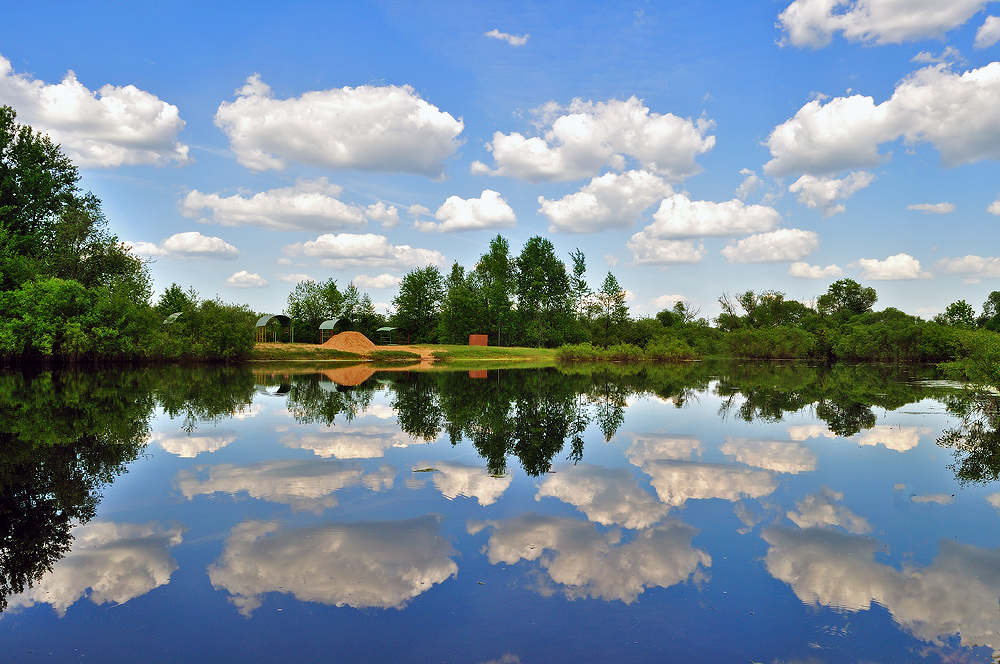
pixel 818 193
pixel 110 127
pixel 458 479
pixel 667 301
pixel 370 128
pixel 648 250
pixel 786 244
pixel 608 496
pixel 364 250
pixel 513 40
pixel 384 280
pixel 191 244
pixel 662 447
pixel 612 200
pixel 107 563
pixel 680 217
pixel 900 266
pixel 751 183
pixel 821 509
pixel 368 442
pixel 304 484
pixel 898 438
pixel 309 205
pixel 953 112
pixel 814 22
pixel 976 267
pixel 954 597
pixel 988 33
pixel 777 455
pixel 933 208
pixel 579 140
pixel 362 565
pixel 190 445
pixel 470 214
pixel 378 212
pixel 417 210
pixel 586 563
pixel 806 271
pixel 295 278
pixel 806 431
pixel 244 279
pixel 676 482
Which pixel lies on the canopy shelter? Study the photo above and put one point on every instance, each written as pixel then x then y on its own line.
pixel 388 336
pixel 172 318
pixel 263 335
pixel 328 328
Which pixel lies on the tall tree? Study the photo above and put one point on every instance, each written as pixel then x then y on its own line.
pixel 310 303
pixel 846 298
pixel 495 276
pixel 612 310
pixel 543 293
pixel 418 304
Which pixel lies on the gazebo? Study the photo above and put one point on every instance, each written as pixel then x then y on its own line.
pixel 328 328
pixel 285 321
pixel 387 334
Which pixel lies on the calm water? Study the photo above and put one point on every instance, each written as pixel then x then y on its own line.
pixel 704 513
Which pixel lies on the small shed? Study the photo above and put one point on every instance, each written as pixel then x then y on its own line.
pixel 478 339
pixel 262 332
pixel 328 328
pixel 388 336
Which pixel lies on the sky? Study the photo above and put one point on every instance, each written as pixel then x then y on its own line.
pixel 692 149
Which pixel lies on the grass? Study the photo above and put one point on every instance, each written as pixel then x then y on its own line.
pixel 271 352
pixel 446 357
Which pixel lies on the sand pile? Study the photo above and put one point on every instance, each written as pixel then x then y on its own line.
pixel 352 342
pixel 350 376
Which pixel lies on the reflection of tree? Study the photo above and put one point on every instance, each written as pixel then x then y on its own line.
pixel 203 393
pixel 976 440
pixel 310 399
pixel 62 438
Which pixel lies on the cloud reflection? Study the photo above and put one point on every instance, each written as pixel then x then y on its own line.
pixel 777 455
pixel 587 563
pixel 369 442
pixel 369 564
pixel 609 496
pixel 457 479
pixel 955 595
pixel 115 562
pixel 820 509
pixel 661 447
pixel 676 482
pixel 306 484
pixel 190 445
pixel 898 438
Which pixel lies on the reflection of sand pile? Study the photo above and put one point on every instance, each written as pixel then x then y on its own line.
pixel 352 342
pixel 350 376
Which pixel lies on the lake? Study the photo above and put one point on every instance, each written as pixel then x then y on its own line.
pixel 705 512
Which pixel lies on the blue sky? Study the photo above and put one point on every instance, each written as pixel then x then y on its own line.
pixel 690 148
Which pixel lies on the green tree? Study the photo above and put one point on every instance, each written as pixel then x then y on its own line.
pixel 846 298
pixel 990 318
pixel 543 293
pixel 310 303
pixel 494 276
pixel 418 304
pixel 612 309
pixel 957 314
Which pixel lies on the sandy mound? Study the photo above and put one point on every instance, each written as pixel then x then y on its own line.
pixel 352 342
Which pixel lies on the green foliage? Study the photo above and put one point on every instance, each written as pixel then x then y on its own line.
pixel 846 298
pixel 418 304
pixel 771 343
pixel 543 294
pixel 312 302
pixel 667 349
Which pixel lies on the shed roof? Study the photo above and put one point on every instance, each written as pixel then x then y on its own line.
pixel 266 318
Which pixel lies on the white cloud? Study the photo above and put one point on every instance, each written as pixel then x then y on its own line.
pixel 977 267
pixel 667 301
pixel 953 112
pixel 584 137
pixel 949 55
pixel 371 128
pixel 936 498
pixel 898 438
pixel 820 509
pixel 385 280
pixel 994 207
pixel 900 266
pixel 786 244
pixel 608 496
pixel 365 251
pixel 458 479
pixel 309 205
pixel 807 271
pixel 380 213
pixel 654 251
pixel 111 127
pixel 777 455
pixel 818 193
pixel 587 563
pixel 805 431
pixel 294 278
pixel 751 183
pixel 244 279
pixel 115 562
pixel 417 210
pixel 814 22
pixel 680 217
pixel 612 200
pixel 933 208
pixel 363 565
pixel 988 33
pixel 513 40
pixel 304 484
pixel 470 214
pixel 676 482
pixel 953 599
pixel 361 442
pixel 191 244
pixel 190 445
pixel 661 447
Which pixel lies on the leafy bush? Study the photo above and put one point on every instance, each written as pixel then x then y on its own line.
pixel 665 349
